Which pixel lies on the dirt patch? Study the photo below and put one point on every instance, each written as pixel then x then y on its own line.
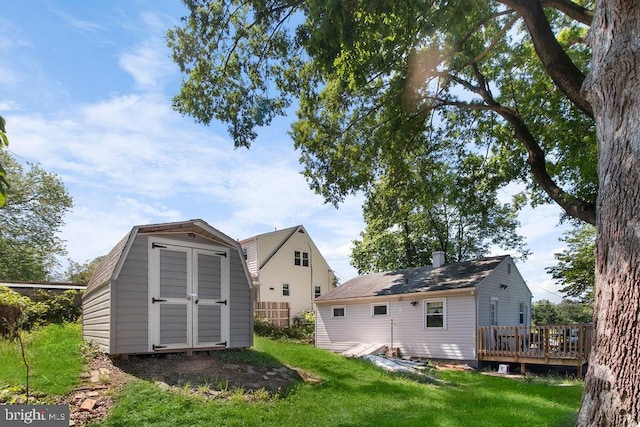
pixel 214 375
pixel 213 371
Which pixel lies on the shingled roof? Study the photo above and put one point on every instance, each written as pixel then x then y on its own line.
pixel 459 275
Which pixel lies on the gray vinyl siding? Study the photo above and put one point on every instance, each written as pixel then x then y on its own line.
pixel 131 296
pixel 96 314
pixel 455 342
pixel 241 304
pixel 508 299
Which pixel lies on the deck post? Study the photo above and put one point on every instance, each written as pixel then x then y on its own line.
pixel 517 342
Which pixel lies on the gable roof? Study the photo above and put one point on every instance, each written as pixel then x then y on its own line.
pixel 459 275
pixel 108 268
pixel 285 234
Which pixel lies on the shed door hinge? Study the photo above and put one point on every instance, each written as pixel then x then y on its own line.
pixel 224 343
pixel 155 300
pixel 222 302
pixel 157 245
pixel 224 254
pixel 158 347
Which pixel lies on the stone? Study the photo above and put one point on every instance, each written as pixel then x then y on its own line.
pixel 162 385
pixel 250 370
pixel 88 405
pixel 230 366
pixel 272 374
pixel 104 371
pixel 93 394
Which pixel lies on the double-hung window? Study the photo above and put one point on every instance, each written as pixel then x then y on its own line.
pixel 301 258
pixel 435 313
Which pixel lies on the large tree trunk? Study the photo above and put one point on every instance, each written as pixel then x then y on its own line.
pixel 612 386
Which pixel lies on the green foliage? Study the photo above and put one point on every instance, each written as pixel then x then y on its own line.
pixel 54 356
pixel 19 312
pixel 544 312
pixel 81 273
pixel 375 80
pixel 448 205
pixel 576 266
pixel 4 142
pixel 30 221
pixel 301 330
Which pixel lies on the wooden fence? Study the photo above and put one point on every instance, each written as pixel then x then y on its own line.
pixel 277 313
pixel 567 345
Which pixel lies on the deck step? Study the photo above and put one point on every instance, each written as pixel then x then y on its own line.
pixel 363 349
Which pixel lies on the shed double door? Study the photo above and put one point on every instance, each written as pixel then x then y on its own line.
pixel 189 297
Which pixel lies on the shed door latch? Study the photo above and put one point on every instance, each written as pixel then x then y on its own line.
pixel 155 300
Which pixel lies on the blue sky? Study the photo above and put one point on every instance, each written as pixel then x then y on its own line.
pixel 86 90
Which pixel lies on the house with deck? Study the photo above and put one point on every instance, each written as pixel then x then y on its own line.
pixel 287 269
pixel 428 312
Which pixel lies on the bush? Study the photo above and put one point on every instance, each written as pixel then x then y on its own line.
pixel 18 312
pixel 302 329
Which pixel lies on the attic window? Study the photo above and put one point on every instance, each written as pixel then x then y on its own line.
pixel 301 258
pixel 244 253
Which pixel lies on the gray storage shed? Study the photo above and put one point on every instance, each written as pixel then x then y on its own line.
pixel 170 287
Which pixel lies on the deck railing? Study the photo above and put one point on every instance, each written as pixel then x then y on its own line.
pixel 549 344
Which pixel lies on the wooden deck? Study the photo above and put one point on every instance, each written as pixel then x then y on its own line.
pixel 565 345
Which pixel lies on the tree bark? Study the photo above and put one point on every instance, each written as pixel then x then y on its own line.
pixel 612 385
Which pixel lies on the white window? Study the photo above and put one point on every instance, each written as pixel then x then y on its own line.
pixel 301 258
pixel 493 312
pixel 285 289
pixel 380 309
pixel 435 314
pixel 339 311
pixel 521 313
pixel 317 290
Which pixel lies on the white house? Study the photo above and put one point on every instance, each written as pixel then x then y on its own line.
pixel 286 266
pixel 432 312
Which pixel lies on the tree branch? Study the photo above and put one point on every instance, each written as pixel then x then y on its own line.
pixel 572 205
pixel 555 60
pixel 572 10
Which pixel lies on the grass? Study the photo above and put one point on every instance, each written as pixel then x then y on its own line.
pixel 54 356
pixel 354 393
pixel 350 392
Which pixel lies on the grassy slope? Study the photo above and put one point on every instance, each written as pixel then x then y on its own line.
pixel 53 353
pixel 354 393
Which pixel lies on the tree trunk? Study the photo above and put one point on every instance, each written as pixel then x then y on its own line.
pixel 612 386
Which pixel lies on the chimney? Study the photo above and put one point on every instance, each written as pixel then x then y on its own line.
pixel 438 258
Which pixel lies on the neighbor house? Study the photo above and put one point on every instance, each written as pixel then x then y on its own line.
pixel 432 312
pixel 286 266
pixel 170 287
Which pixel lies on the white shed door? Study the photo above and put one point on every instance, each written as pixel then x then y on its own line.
pixel 188 290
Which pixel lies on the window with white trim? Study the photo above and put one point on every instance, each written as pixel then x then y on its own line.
pixel 317 291
pixel 301 258
pixel 285 289
pixel 339 311
pixel 380 309
pixel 521 313
pixel 435 313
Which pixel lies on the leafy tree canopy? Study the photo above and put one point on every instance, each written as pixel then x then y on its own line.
pixel 81 273
pixel 4 142
pixel 576 266
pixel 544 312
pixel 447 205
pixel 372 79
pixel 29 222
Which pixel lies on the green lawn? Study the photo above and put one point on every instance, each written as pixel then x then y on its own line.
pixel 54 356
pixel 354 393
pixel 351 392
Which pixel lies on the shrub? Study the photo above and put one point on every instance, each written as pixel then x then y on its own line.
pixel 21 312
pixel 302 328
